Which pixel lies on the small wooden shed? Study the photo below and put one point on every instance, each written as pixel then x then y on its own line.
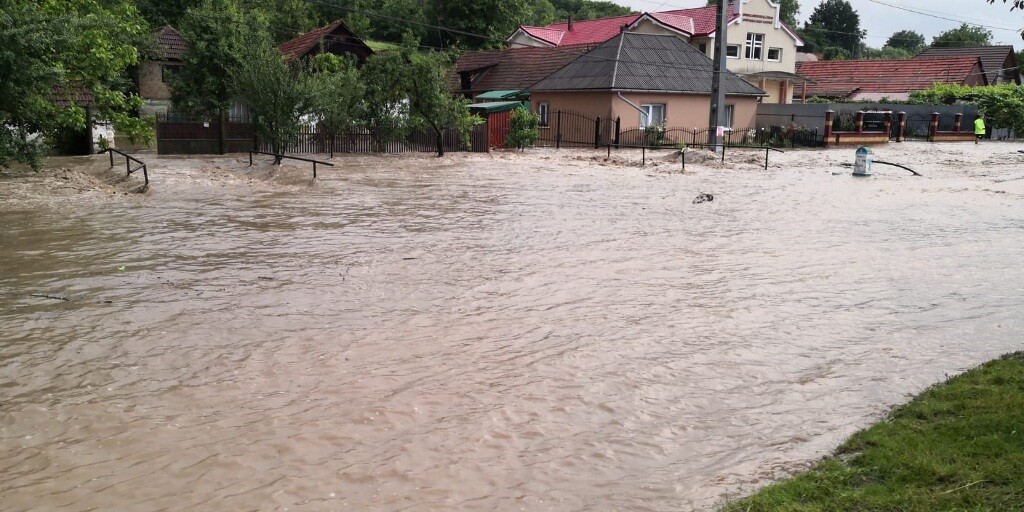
pixel 497 115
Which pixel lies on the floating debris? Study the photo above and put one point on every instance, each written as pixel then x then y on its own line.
pixel 703 198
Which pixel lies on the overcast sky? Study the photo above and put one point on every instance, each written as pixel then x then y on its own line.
pixel 881 21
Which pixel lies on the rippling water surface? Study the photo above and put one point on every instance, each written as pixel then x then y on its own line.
pixel 413 334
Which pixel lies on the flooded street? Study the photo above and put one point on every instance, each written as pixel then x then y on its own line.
pixel 488 333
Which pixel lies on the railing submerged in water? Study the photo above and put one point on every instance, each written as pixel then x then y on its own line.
pixel 128 159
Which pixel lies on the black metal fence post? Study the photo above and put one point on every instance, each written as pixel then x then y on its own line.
pixel 618 129
pixel 597 132
pixel 558 129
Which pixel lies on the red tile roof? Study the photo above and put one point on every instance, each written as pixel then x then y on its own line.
pixel 700 21
pixel 336 32
pixel 887 76
pixel 172 46
pixel 514 68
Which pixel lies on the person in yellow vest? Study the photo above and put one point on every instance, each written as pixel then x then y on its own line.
pixel 979 128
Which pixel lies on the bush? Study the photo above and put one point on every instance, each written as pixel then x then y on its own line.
pixel 524 129
pixel 1003 105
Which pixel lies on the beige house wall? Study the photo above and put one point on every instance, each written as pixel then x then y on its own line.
pixel 681 110
pixel 646 26
pixel 151 84
pixel 590 104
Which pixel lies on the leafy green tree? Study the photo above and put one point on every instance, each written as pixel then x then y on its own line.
pixel 540 13
pixel 589 10
pixel 386 111
pixel 337 94
pixel 217 33
pixel 431 105
pixel 1003 105
pixel 164 12
pixel 906 40
pixel 963 36
pixel 524 129
pixel 886 53
pixel 492 19
pixel 277 93
pixel 834 23
pixel 52 51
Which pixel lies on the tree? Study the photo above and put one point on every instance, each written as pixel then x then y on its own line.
pixel 337 94
pixel 963 36
pixel 787 12
pixel 1014 4
pixel 431 105
pixel 53 51
pixel 217 32
pixel 489 21
pixel 886 53
pixel 524 129
pixel 834 23
pixel 1003 104
pixel 540 13
pixel 906 40
pixel 386 111
pixel 277 93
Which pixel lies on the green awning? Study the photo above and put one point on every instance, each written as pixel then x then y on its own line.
pixel 500 95
pixel 496 106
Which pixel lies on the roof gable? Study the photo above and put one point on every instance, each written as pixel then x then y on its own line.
pixel 170 43
pixel 336 38
pixel 643 62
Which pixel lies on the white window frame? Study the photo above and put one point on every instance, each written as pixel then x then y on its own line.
pixel 754 48
pixel 543 111
pixel 728 49
pixel 768 54
pixel 647 112
pixel 730 112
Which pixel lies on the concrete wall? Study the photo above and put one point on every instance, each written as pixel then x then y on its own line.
pixel 812 115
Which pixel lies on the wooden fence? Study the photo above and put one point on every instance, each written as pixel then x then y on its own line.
pixel 183 136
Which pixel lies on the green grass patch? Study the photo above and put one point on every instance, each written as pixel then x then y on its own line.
pixel 380 46
pixel 959 446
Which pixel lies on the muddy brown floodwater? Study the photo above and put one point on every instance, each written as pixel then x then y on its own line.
pixel 487 333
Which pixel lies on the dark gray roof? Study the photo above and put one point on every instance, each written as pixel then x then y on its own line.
pixel 995 60
pixel 643 62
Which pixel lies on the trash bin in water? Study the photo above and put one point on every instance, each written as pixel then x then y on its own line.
pixel 862 165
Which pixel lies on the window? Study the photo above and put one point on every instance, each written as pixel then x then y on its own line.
pixel 652 114
pixel 774 54
pixel 703 47
pixel 729 111
pixel 755 46
pixel 542 113
pixel 166 72
pixel 732 51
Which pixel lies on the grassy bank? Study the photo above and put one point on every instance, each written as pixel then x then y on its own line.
pixel 957 446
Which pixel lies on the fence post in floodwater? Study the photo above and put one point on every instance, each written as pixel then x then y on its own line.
pixel 860 122
pixel 558 129
pixel 597 132
pixel 933 128
pixel 887 124
pixel 618 129
pixel 958 121
pixel 829 118
pixel 901 130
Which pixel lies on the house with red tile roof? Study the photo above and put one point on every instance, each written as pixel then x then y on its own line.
pixel 761 48
pixel 335 38
pixel 154 73
pixel 875 80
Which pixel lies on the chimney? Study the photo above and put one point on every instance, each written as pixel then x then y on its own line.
pixel 570 22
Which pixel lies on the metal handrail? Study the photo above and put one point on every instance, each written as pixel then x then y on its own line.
pixel 314 162
pixel 128 159
pixel 682 154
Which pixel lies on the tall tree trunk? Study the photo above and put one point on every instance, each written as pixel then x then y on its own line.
pixel 440 140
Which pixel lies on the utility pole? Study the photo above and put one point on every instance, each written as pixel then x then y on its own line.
pixel 717 117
